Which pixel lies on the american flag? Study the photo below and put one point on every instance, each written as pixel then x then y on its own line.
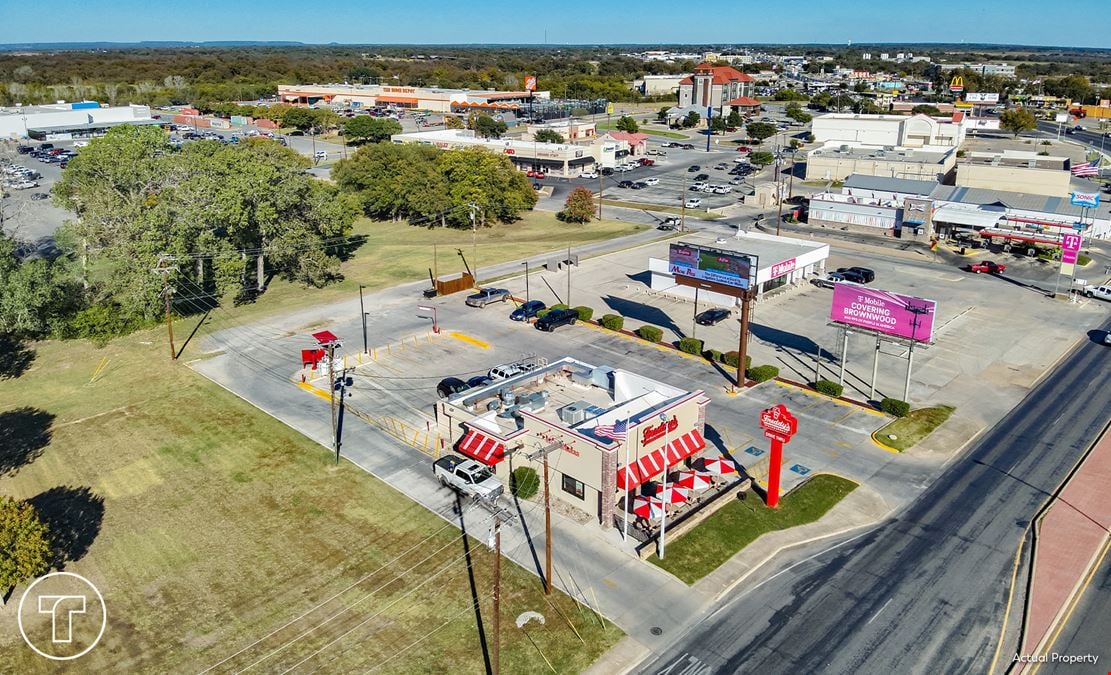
pixel 616 431
pixel 1089 169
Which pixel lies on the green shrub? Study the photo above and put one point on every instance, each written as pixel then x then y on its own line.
pixel 524 482
pixel 540 314
pixel 762 373
pixel 1082 259
pixel 895 407
pixel 829 388
pixel 612 321
pixel 712 355
pixel 585 313
pixel 650 333
pixel 689 345
pixel 732 358
pixel 559 306
pixel 99 324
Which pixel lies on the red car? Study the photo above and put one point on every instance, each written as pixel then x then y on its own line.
pixel 644 161
pixel 987 266
pixel 535 174
pixel 744 148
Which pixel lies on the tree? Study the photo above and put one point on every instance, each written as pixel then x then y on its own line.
pixel 761 158
pixel 453 122
pixel 34 293
pixel 373 129
pixel 789 95
pixel 628 124
pixel 579 207
pixel 717 125
pixel 549 136
pixel 1075 87
pixel 661 114
pixel 925 109
pixel 734 119
pixel 760 130
pixel 1018 120
pixel 299 118
pixel 24 547
pixel 795 112
pixel 488 127
pixel 691 120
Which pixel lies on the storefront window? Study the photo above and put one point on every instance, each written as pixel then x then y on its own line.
pixel 572 486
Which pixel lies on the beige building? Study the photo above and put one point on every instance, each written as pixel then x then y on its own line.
pixel 837 161
pixel 566 408
pixel 715 87
pixel 915 131
pixel 434 99
pixel 573 131
pixel 556 159
pixel 1015 171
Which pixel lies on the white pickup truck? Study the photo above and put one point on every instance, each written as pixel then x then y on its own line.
pixel 1102 292
pixel 468 477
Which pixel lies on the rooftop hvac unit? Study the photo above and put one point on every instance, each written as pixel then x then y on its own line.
pixel 508 397
pixel 573 413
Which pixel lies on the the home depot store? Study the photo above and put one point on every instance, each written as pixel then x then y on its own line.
pixel 566 408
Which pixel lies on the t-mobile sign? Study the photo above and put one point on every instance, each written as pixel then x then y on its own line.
pixel 901 315
pixel 1070 248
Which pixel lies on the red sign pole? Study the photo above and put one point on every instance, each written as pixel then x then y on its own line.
pixel 774 467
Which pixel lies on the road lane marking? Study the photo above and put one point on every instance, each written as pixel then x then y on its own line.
pixel 315 390
pixel 469 340
pixel 879 612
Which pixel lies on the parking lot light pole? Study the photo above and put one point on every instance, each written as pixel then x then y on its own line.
pixel 362 312
pixel 525 263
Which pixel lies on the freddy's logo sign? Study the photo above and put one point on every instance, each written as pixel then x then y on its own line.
pixel 778 423
pixel 653 433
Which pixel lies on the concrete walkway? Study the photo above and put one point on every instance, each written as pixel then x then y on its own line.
pixel 1072 538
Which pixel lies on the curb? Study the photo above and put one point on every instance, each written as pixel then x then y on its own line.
pixel 883 446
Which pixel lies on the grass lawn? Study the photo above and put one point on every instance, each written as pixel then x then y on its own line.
pixel 207 525
pixel 914 427
pixel 396 252
pixel 644 129
pixel 738 524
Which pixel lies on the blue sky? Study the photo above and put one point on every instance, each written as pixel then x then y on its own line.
pixel 1078 23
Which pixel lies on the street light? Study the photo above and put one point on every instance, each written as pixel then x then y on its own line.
pixel 430 308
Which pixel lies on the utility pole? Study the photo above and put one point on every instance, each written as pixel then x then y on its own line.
pixel 526 282
pixel 362 313
pixel 474 240
pixel 683 205
pixel 778 190
pixel 332 396
pixel 165 270
pixel 495 655
pixel 568 274
pixel 601 177
pixel 544 452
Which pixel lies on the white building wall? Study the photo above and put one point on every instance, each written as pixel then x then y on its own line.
pixel 17 123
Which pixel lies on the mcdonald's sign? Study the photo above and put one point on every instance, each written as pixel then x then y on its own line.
pixel 956 84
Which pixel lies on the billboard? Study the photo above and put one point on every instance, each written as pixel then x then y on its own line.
pixel 728 268
pixel 981 97
pixel 903 316
pixel 1089 200
pixel 530 83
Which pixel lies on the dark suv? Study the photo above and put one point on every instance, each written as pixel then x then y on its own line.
pixel 556 318
pixel 450 386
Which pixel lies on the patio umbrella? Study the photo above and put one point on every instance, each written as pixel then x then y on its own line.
pixel 672 495
pixel 694 480
pixel 718 466
pixel 648 507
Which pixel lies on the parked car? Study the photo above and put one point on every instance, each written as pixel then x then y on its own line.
pixel 39 196
pixel 720 167
pixel 535 174
pixel 504 371
pixel 850 275
pixel 1101 292
pixel 693 203
pixel 644 161
pixel 478 381
pixel 669 223
pixel 486 296
pixel 828 280
pixel 625 184
pixel 651 180
pixel 868 275
pixel 450 386
pixel 702 176
pixel 556 318
pixel 467 477
pixel 989 266
pixel 588 174
pixel 527 310
pixel 693 168
pixel 744 148
pixel 711 316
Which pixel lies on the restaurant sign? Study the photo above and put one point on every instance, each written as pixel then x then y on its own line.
pixel 657 432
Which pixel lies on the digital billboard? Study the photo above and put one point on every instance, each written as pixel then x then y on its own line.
pixel 728 268
pixel 892 313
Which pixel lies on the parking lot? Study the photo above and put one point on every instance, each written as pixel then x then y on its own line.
pixel 29 213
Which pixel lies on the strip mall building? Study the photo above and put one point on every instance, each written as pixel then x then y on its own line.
pixel 432 99
pixel 558 408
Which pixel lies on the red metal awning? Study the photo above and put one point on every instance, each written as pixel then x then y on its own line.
pixel 482 447
pixel 652 465
pixel 325 336
pixel 1020 236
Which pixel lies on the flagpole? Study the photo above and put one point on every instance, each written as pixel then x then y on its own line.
pixel 628 490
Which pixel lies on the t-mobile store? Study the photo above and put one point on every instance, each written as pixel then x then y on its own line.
pixel 607 433
pixel 781 261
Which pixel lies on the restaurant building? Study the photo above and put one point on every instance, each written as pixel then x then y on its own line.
pixel 434 99
pixel 575 413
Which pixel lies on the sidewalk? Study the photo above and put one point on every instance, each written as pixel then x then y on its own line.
pixel 1072 538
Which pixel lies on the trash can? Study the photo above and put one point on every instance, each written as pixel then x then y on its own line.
pixel 962 250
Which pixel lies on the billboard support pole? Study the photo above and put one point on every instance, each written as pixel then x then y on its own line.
pixel 742 346
pixel 844 354
pixel 694 318
pixel 910 363
pixel 818 365
pixel 875 371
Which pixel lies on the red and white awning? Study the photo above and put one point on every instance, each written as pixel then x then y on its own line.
pixel 482 447
pixel 652 464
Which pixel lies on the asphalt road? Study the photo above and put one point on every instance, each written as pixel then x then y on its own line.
pixel 1096 140
pixel 925 591
pixel 1089 626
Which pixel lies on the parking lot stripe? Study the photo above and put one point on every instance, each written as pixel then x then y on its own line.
pixel 470 340
pixel 854 406
pixel 315 390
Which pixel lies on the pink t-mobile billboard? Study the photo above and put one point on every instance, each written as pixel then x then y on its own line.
pixel 901 315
